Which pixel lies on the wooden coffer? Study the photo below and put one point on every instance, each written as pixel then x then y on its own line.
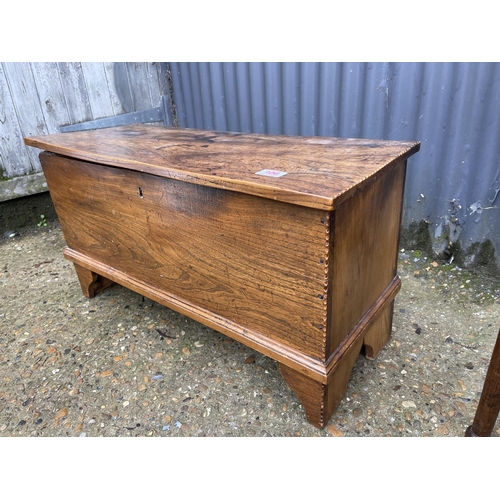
pixel 286 244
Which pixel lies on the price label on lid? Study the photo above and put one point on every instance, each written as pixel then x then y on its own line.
pixel 271 173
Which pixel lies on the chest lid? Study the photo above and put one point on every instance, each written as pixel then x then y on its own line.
pixel 316 172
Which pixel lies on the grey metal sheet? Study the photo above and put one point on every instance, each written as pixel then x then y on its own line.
pixel 452 108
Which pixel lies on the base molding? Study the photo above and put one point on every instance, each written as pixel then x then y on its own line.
pixel 319 386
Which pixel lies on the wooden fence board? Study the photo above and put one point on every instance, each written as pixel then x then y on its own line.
pixel 14 158
pixel 51 95
pixel 27 105
pixel 38 98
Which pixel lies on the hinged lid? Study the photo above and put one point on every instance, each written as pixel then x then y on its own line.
pixel 317 172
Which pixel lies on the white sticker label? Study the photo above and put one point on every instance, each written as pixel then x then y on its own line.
pixel 271 173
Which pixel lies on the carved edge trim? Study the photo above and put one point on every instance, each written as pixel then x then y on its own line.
pixel 325 292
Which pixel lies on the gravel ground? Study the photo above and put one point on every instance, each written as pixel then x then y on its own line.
pixel 122 365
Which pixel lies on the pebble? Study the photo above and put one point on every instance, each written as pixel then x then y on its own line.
pixel 334 431
pixel 425 389
pixel 357 412
pixel 61 414
pixel 409 404
pixel 443 430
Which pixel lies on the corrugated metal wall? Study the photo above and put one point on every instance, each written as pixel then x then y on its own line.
pixel 452 108
pixel 38 98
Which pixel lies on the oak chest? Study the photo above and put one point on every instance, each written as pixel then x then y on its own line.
pixel 286 244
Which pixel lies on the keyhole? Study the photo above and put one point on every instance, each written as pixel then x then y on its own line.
pixel 139 190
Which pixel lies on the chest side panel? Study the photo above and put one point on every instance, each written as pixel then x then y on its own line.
pixel 254 261
pixel 365 245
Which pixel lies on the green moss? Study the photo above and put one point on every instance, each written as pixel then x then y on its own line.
pixel 485 259
pixel 455 250
pixel 417 237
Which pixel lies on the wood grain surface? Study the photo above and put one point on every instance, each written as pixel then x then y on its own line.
pixel 365 247
pixel 257 262
pixel 320 172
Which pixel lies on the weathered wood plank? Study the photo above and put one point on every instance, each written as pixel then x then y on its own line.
pixel 75 92
pixel 164 90
pixel 27 105
pixel 38 98
pixel 109 69
pixel 139 86
pixel 51 95
pixel 97 88
pixel 14 157
pixel 152 70
pixel 23 90
pixel 122 86
pixel 22 185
